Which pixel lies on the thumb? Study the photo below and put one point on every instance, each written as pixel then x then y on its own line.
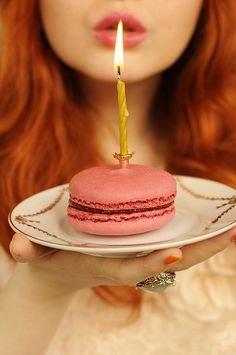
pixel 23 250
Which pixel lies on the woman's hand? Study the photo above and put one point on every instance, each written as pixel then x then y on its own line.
pixel 71 271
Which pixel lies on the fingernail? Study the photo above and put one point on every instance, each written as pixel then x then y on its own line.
pixel 172 259
pixel 233 238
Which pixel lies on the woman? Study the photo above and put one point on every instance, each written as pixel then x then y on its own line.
pixel 57 89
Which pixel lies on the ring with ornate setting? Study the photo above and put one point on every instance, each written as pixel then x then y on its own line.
pixel 158 283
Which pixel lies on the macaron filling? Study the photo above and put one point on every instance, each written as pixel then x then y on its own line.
pixel 84 208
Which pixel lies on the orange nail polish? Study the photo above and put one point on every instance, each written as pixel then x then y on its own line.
pixel 172 259
pixel 233 238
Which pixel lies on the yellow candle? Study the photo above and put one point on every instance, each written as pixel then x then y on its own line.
pixel 123 115
pixel 123 112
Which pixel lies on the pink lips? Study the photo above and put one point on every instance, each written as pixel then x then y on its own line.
pixel 134 31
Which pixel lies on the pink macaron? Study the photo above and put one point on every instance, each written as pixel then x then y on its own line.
pixel 108 200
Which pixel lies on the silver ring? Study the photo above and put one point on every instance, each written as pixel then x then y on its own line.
pixel 158 283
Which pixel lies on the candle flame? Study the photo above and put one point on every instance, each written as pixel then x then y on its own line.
pixel 119 52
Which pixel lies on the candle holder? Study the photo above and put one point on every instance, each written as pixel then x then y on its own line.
pixel 123 159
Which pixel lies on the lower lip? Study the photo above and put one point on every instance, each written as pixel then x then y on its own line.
pixel 131 39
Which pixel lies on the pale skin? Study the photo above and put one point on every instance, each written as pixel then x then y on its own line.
pixel 45 280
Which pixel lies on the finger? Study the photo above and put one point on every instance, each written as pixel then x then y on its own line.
pixel 199 252
pixel 23 250
pixel 230 233
pixel 131 271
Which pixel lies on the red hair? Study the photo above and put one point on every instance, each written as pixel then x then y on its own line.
pixel 39 106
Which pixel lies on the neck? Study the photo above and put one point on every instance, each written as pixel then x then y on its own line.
pixel 101 106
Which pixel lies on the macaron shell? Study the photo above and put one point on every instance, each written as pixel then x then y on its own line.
pixel 111 184
pixel 116 226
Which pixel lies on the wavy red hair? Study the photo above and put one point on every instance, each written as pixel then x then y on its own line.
pixel 39 106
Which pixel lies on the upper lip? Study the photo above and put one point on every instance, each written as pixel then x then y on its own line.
pixel 130 22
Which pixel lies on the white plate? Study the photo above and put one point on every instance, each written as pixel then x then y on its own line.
pixel 204 209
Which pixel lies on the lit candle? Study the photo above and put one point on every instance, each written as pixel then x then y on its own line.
pixel 123 112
